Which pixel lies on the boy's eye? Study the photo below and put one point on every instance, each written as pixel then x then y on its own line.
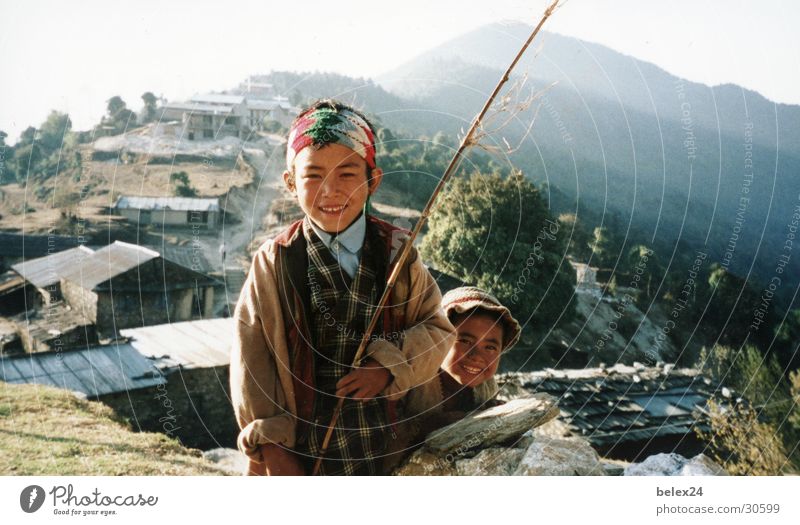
pixel 348 174
pixel 312 176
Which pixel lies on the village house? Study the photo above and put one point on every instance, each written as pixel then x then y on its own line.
pixel 44 273
pixel 213 116
pixel 15 247
pixel 625 412
pixel 194 358
pixel 15 293
pixel 40 316
pixel 585 277
pixel 185 212
pixel 123 285
pixel 169 378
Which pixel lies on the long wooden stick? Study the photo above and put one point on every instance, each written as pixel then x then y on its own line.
pixel 403 255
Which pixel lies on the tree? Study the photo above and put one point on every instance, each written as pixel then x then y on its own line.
pixel 788 332
pixel 759 429
pixel 579 240
pixel 495 232
pixel 7 164
pixel 642 261
pixel 118 116
pixel 114 105
pixel 602 246
pixel 386 140
pixel 150 107
pixel 183 187
pixel 732 306
pixel 54 130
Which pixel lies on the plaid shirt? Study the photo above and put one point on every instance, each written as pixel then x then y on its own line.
pixel 341 309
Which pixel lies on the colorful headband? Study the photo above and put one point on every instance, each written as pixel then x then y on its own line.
pixel 327 125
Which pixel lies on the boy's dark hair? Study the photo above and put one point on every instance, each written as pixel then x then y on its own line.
pixel 329 103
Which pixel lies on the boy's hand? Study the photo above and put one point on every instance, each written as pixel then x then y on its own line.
pixel 276 461
pixel 365 382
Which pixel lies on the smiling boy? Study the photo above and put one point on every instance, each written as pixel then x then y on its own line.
pixel 307 300
pixel 484 330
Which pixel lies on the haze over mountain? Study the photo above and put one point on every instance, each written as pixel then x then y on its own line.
pixel 714 168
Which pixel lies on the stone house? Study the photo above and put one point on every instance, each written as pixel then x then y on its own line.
pixel 123 285
pixel 624 412
pixel 170 378
pixel 45 272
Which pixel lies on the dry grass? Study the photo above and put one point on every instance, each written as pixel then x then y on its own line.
pixel 48 431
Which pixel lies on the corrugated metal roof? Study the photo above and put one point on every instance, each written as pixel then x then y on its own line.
pixel 187 256
pixel 108 262
pixel 267 104
pixel 218 98
pixel 95 371
pixel 135 202
pixel 196 107
pixel 190 344
pixel 623 403
pixel 44 271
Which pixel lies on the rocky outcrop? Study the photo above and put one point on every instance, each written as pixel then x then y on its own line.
pixel 559 457
pixel 676 465
pixel 493 426
pixel 501 441
pixel 228 460
pixel 491 462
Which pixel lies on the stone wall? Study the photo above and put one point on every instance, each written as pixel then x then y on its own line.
pixel 194 407
pixel 81 299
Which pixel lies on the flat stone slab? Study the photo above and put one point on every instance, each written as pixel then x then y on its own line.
pixel 560 457
pixel 494 425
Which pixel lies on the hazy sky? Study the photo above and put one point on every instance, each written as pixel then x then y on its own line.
pixel 72 56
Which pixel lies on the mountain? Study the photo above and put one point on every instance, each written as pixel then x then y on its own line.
pixel 667 161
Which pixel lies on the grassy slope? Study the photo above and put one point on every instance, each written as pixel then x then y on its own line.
pixel 47 431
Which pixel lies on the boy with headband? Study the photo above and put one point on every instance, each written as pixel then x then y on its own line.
pixel 308 298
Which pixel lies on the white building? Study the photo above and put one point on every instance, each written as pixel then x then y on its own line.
pixel 213 116
pixel 169 211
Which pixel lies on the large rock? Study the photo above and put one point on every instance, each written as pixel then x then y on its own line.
pixel 497 461
pixel 426 463
pixel 493 426
pixel 676 465
pixel 228 460
pixel 559 457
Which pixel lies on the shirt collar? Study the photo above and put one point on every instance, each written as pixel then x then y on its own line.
pixel 352 238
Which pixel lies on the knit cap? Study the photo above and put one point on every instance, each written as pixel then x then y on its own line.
pixel 465 298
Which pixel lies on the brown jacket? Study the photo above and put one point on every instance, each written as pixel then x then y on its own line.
pixel 270 395
pixel 428 398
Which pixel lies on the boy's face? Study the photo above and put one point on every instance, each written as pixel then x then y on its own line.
pixel 475 355
pixel 331 185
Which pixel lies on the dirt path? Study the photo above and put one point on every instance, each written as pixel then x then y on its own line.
pixel 249 204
